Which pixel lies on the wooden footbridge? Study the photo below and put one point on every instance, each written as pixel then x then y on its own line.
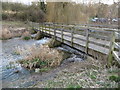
pixel 101 43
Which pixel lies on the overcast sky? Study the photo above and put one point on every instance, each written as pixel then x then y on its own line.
pixel 85 1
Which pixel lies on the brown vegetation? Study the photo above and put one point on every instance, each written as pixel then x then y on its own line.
pixel 43 53
pixel 9 32
pixel 69 12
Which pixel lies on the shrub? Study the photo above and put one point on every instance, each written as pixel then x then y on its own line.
pixel 42 57
pixel 4 16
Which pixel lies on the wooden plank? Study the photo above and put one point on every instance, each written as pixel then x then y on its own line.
pixel 80 32
pixel 99 36
pixel 99 44
pixel 98 48
pixel 117 45
pixel 117 35
pixel 115 54
pixel 78 38
pixel 76 45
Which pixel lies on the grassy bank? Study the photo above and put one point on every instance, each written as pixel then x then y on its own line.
pixel 12 29
pixel 86 74
pixel 15 23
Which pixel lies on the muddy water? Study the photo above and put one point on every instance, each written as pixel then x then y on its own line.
pixel 13 75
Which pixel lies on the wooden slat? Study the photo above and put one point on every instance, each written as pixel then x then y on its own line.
pixel 115 54
pixel 99 44
pixel 100 31
pixel 117 35
pixel 99 36
pixel 117 45
pixel 79 38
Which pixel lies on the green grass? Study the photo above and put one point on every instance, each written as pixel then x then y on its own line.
pixel 114 78
pixel 43 65
pixel 93 76
pixel 26 37
pixel 71 87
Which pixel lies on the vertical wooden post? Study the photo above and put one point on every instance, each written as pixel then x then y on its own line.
pixel 45 27
pixel 54 32
pixel 72 32
pixel 49 29
pixel 42 27
pixel 87 41
pixel 111 49
pixel 39 27
pixel 62 34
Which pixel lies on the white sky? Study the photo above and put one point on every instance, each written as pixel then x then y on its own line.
pixel 85 1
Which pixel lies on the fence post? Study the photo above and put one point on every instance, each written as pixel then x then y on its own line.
pixel 72 32
pixel 87 41
pixel 39 27
pixel 42 27
pixel 45 27
pixel 49 29
pixel 54 32
pixel 62 34
pixel 111 49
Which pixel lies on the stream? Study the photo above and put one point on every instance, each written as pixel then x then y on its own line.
pixel 15 76
pixel 8 69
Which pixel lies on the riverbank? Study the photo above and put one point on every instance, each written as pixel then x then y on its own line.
pixel 73 72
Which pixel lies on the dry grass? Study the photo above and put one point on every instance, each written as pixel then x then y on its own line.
pixel 8 33
pixel 81 75
pixel 43 52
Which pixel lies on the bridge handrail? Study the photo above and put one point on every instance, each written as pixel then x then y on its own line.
pixel 88 32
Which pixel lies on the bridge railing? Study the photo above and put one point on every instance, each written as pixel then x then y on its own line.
pixel 102 40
